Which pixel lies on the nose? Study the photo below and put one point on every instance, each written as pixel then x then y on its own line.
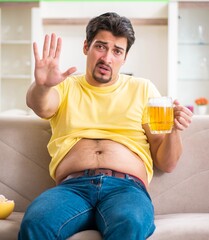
pixel 107 56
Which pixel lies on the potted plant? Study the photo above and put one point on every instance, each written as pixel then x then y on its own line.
pixel 202 104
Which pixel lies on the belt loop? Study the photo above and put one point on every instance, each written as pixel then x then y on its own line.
pixel 86 172
pixel 127 176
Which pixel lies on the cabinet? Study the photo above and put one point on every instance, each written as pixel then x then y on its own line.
pixel 189 51
pixel 20 24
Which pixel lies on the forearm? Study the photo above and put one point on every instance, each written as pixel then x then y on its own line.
pixel 42 100
pixel 166 149
pixel 169 151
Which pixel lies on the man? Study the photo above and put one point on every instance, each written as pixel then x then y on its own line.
pixel 101 146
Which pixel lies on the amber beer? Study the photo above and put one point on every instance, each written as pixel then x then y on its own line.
pixel 160 115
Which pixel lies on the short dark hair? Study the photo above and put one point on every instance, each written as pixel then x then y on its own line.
pixel 112 22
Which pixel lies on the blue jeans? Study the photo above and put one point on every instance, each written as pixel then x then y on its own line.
pixel 118 208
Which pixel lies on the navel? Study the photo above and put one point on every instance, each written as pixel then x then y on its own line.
pixel 98 152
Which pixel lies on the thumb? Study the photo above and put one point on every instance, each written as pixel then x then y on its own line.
pixel 176 102
pixel 69 72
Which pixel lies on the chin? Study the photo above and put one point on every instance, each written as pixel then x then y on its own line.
pixel 102 79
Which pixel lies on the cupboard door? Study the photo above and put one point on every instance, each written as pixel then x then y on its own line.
pixel 17 35
pixel 189 45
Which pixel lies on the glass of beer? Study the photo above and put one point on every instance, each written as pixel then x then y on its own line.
pixel 160 115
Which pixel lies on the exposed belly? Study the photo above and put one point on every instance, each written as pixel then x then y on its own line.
pixel 99 153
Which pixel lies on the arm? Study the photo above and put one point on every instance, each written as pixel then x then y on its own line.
pixel 166 149
pixel 41 96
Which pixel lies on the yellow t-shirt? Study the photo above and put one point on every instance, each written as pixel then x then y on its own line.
pixel 114 112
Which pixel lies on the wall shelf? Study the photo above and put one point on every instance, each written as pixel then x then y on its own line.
pixel 189 45
pixel 16 76
pixel 12 42
pixel 84 21
pixel 198 44
pixel 16 58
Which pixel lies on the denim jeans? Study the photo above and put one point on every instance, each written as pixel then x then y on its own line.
pixel 121 209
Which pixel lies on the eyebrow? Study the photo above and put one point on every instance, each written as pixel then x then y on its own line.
pixel 106 43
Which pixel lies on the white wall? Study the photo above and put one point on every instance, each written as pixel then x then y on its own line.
pixel 92 8
pixel 147 57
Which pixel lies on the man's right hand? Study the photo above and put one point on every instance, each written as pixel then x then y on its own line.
pixel 47 72
pixel 41 96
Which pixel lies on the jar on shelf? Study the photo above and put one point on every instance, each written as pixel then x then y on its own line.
pixel 202 109
pixel 202 105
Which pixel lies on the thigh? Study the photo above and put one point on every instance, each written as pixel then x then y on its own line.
pixel 57 214
pixel 126 212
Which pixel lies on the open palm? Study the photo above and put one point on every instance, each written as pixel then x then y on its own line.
pixel 47 70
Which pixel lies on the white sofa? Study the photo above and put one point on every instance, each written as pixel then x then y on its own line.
pixel 181 198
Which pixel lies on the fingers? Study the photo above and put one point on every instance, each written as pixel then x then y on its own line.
pixel 58 48
pixel 35 52
pixel 181 123
pixel 53 51
pixel 182 116
pixel 51 47
pixel 48 66
pixel 176 102
pixel 46 47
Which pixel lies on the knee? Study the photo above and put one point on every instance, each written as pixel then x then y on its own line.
pixel 26 229
pixel 135 222
pixel 143 225
pixel 35 227
pixel 30 223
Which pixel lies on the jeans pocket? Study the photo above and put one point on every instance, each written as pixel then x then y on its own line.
pixel 140 185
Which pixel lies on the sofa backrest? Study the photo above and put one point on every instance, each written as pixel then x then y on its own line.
pixel 24 161
pixel 186 189
pixel 24 158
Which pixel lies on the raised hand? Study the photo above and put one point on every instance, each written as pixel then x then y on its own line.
pixel 47 72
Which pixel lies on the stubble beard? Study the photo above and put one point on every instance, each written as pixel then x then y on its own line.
pixel 100 78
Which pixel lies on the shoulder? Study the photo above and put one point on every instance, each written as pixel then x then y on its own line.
pixel 69 82
pixel 132 80
pixel 143 85
pixel 73 79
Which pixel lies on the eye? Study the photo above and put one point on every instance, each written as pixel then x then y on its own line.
pixel 100 47
pixel 117 52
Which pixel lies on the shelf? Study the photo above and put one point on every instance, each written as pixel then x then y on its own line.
pixel 20 23
pixel 19 4
pixel 193 44
pixel 84 21
pixel 11 42
pixel 14 76
pixel 197 4
pixel 194 79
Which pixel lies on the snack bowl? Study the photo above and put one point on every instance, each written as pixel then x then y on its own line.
pixel 6 207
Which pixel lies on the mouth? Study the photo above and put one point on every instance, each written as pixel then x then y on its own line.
pixel 103 69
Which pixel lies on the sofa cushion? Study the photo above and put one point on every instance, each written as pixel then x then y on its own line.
pixel 185 190
pixel 9 227
pixel 86 235
pixel 191 226
pixel 24 159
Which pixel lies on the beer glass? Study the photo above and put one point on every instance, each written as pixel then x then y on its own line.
pixel 160 115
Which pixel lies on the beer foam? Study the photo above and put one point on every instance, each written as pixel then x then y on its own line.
pixel 160 102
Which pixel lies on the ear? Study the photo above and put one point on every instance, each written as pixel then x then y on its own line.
pixel 85 47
